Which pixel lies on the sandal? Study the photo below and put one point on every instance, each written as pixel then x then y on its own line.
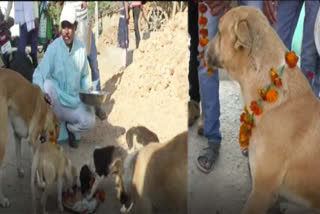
pixel 245 152
pixel 207 158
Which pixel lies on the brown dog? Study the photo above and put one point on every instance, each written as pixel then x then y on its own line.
pixel 24 115
pixel 154 179
pixel 284 148
pixel 51 166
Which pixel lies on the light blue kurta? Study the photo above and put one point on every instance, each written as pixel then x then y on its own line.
pixel 67 70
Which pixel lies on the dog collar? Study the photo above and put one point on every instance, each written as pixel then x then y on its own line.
pixel 267 94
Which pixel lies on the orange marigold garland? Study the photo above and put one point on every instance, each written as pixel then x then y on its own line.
pixel 268 94
pixel 203 35
pixel 51 138
pixel 291 59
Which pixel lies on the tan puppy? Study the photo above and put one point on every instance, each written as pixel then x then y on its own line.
pixel 154 179
pixel 51 166
pixel 284 149
pixel 24 114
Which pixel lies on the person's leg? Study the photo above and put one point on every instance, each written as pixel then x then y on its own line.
pixel 258 3
pixel 34 47
pixel 193 105
pixel 209 92
pixel 23 39
pixel 136 13
pixel 78 119
pixel 95 75
pixel 287 15
pixel 310 61
pixel 93 63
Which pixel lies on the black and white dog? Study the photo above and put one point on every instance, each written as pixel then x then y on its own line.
pixel 98 168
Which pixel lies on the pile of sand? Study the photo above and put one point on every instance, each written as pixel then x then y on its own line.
pixel 153 90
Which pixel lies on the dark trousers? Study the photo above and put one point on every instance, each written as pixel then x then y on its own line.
pixel 93 62
pixel 136 12
pixel 193 48
pixel 28 38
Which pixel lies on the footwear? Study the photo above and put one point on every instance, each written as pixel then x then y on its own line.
pixel 71 139
pixel 200 130
pixel 100 113
pixel 193 112
pixel 208 157
pixel 245 152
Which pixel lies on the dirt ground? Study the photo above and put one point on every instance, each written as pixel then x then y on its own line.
pixel 151 92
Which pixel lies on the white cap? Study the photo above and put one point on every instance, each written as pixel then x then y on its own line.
pixel 68 14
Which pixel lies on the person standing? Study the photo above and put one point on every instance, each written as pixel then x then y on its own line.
pixel 136 7
pixel 26 14
pixel 86 36
pixel 123 32
pixel 62 73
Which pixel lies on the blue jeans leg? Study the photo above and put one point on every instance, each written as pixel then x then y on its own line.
pixel 310 60
pixel 209 93
pixel 93 63
pixel 258 3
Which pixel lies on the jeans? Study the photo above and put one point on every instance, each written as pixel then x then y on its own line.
pixel 136 12
pixel 93 63
pixel 288 15
pixel 209 93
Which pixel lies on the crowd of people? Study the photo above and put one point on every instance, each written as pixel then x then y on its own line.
pixel 204 84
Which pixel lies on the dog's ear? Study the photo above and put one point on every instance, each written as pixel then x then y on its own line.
pixel 116 166
pixel 243 35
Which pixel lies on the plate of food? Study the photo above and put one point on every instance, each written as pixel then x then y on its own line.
pixel 94 98
pixel 77 203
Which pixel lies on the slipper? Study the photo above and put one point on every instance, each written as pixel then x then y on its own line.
pixel 245 152
pixel 209 156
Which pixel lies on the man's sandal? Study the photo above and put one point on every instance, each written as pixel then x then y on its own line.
pixel 207 158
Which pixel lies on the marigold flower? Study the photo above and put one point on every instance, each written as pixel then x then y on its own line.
pixel 210 71
pixel 255 108
pixel 202 8
pixel 291 59
pixel 202 20
pixel 273 73
pixel 277 82
pixel 262 93
pixel 271 95
pixel 203 41
pixel 204 64
pixel 243 141
pixel 201 55
pixel 203 32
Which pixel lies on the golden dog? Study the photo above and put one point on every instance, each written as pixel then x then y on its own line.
pixel 154 179
pixel 24 116
pixel 284 148
pixel 51 166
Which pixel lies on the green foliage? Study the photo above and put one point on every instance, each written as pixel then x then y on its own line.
pixel 54 10
pixel 102 5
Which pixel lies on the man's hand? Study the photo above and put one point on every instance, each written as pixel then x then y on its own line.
pixel 218 6
pixel 270 10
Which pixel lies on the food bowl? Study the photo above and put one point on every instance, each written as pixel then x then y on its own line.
pixel 94 98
